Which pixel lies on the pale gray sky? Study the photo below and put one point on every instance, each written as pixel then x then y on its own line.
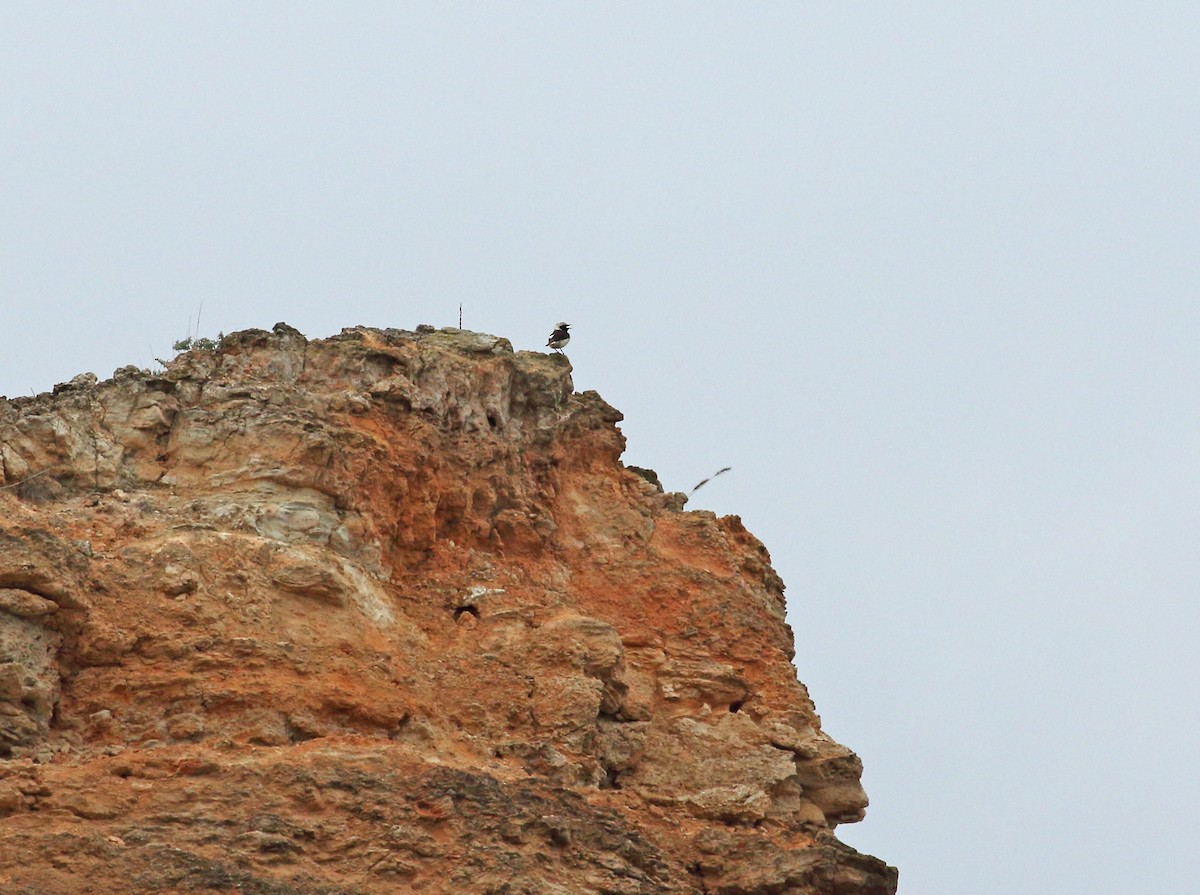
pixel 924 274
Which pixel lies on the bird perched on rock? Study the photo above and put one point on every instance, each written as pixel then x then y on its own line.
pixel 560 337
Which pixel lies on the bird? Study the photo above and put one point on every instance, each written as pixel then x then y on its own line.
pixel 560 337
pixel 704 482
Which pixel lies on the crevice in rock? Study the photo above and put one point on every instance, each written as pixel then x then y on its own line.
pixel 37 489
pixel 299 735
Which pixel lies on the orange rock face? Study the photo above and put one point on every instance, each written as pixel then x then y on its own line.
pixel 385 613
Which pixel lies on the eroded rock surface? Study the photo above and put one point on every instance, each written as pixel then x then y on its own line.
pixel 385 612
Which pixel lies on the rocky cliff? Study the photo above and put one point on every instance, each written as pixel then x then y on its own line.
pixel 384 613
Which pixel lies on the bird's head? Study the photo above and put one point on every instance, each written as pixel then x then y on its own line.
pixel 564 326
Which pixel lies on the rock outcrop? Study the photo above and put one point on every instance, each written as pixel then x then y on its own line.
pixel 382 613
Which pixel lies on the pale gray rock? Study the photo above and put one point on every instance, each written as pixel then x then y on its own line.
pixel 24 604
pixel 29 681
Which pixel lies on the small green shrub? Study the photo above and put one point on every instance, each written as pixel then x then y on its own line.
pixel 189 344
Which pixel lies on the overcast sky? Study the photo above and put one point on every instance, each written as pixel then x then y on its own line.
pixel 924 274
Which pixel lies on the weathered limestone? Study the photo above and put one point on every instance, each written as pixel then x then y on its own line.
pixel 399 587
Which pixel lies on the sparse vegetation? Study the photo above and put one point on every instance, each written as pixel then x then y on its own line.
pixel 197 343
pixel 193 343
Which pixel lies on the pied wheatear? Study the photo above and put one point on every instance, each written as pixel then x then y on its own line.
pixel 560 337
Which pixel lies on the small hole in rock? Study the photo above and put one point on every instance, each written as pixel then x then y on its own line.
pixel 461 609
pixel 736 706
